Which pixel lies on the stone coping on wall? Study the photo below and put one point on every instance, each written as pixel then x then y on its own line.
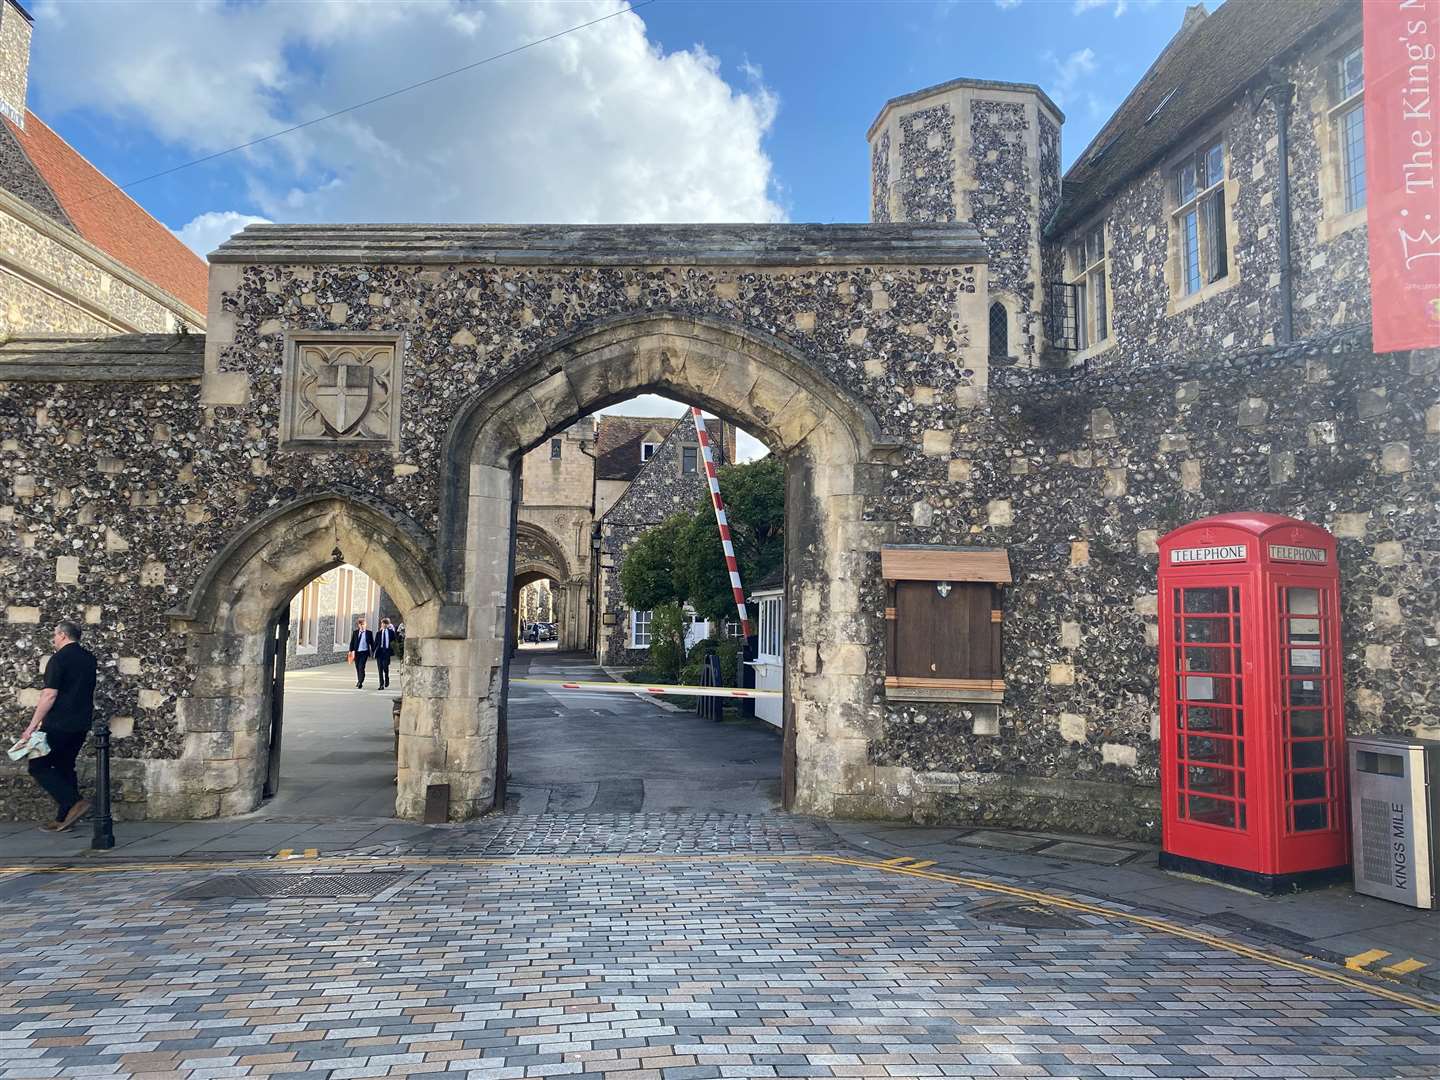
pixel 122 357
pixel 964 84
pixel 609 245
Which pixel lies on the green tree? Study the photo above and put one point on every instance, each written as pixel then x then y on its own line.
pixel 648 576
pixel 754 495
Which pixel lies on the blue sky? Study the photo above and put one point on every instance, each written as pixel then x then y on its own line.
pixel 814 71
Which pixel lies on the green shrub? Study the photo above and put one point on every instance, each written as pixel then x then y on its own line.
pixel 667 641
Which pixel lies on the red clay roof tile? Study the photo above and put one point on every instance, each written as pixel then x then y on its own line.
pixel 111 220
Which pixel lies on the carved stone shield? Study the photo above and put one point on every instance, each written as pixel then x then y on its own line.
pixel 343 393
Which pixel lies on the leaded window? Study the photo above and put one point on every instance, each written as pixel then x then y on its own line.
pixel 1198 187
pixel 1349 121
pixel 999 331
pixel 1085 271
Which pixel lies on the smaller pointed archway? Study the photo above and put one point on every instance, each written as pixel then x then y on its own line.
pixel 232 615
pixel 538 555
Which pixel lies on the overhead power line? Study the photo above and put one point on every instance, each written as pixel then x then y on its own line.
pixel 374 100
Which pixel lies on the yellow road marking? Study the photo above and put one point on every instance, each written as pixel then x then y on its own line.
pixel 891 866
pixel 1404 967
pixel 311 853
pixel 1160 925
pixel 1360 961
pixel 285 853
pixel 922 865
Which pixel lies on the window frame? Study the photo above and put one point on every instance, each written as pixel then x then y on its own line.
pixel 1343 107
pixel 647 451
pixel 1194 222
pixel 555 449
pixel 690 451
pixel 635 628
pixel 1086 263
pixel 769 639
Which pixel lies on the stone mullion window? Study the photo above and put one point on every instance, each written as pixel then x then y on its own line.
pixel 1198 188
pixel 1348 118
pixel 1087 274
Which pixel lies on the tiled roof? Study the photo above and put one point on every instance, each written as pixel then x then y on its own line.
pixel 617 443
pixel 110 219
pixel 1202 69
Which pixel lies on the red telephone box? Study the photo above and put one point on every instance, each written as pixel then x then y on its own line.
pixel 1252 718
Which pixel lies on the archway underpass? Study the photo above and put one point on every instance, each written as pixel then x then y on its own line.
pixel 586 749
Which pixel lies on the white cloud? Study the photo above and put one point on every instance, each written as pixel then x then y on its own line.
pixel 598 126
pixel 1070 72
pixel 1118 6
pixel 1006 5
pixel 208 231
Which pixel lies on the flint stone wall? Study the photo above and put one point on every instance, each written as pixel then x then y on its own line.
pixel 165 475
pixel 120 495
pixel 1078 475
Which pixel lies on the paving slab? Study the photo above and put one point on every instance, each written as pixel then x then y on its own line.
pixel 682 966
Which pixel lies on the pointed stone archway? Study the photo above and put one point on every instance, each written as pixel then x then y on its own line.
pixel 539 555
pixel 223 720
pixel 833 449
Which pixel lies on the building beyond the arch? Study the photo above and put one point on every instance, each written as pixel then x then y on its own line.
pixel 1160 365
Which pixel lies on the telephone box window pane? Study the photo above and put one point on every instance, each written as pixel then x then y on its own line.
pixel 1219 661
pixel 1212 811
pixel 1207 602
pixel 1211 781
pixel 1220 751
pixel 1311 817
pixel 1305 692
pixel 1204 718
pixel 1307 755
pixel 1307 724
pixel 1207 631
pixel 1310 785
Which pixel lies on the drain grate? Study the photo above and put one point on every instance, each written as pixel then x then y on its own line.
pixel 281 886
pixel 1025 916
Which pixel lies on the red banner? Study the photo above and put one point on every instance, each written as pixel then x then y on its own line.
pixel 1402 173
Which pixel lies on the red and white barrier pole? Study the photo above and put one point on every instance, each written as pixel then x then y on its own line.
pixel 722 521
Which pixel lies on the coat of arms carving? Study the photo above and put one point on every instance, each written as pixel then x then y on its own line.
pixel 341 391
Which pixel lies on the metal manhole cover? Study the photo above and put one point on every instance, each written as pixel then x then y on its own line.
pixel 280 886
pixel 1025 916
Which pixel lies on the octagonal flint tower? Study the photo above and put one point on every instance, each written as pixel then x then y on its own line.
pixel 987 153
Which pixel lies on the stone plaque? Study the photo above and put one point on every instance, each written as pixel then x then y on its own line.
pixel 341 391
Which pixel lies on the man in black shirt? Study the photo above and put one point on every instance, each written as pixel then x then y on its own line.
pixel 65 712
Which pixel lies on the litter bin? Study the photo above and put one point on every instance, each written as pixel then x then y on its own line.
pixel 1394 811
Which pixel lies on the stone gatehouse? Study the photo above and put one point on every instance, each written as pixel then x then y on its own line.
pixel 938 377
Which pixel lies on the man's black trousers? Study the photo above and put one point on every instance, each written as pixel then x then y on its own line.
pixel 360 658
pixel 55 772
pixel 382 666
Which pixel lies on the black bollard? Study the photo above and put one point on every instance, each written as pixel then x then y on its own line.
pixel 104 837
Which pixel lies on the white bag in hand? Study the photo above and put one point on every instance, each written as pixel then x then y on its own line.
pixel 35 746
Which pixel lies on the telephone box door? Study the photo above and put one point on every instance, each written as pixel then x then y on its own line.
pixel 1207 747
pixel 1308 771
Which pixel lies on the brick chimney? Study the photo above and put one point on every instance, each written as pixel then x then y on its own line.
pixel 15 25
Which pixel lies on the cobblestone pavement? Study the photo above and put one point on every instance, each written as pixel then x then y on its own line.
pixel 631 834
pixel 649 968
